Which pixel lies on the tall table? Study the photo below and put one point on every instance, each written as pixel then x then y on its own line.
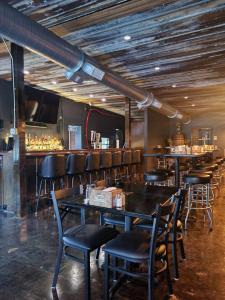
pixel 140 203
pixel 176 157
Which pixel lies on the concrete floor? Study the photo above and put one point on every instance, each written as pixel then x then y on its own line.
pixel 28 251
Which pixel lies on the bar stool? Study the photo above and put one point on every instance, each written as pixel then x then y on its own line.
pixel 92 164
pixel 52 168
pixel 155 177
pixel 198 195
pixel 116 163
pixel 127 161
pixel 105 162
pixel 75 166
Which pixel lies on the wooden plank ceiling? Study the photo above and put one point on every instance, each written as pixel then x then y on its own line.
pixel 184 38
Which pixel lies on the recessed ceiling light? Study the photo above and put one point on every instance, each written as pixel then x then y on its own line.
pixel 127 37
pixel 157 68
pixel 193 105
pixel 54 82
pixel 91 95
pixel 103 100
pixel 174 85
pixel 74 89
pixel 186 97
pixel 26 72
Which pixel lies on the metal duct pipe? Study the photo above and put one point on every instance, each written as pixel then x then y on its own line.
pixel 21 30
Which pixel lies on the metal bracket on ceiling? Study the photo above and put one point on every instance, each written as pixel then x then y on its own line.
pixel 70 74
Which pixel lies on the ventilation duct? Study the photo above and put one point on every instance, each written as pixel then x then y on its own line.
pixel 21 30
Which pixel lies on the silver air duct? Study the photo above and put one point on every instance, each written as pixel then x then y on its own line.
pixel 21 30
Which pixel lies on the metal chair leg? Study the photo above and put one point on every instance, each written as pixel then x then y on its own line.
pixel 39 196
pixel 87 275
pixel 57 266
pixel 175 262
pixel 181 243
pixel 150 281
pixel 169 282
pixel 106 276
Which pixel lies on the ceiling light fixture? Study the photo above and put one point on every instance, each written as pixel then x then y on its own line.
pixel 174 85
pixel 157 68
pixel 127 37
pixel 186 97
pixel 54 82
pixel 103 100
pixel 193 105
pixel 89 103
pixel 91 95
pixel 75 89
pixel 26 72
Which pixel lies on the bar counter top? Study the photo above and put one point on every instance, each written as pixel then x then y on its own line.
pixel 64 152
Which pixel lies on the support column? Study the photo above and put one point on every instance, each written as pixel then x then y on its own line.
pixel 127 123
pixel 19 136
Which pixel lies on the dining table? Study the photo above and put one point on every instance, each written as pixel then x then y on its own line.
pixel 176 157
pixel 140 202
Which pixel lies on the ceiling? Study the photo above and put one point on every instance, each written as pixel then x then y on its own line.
pixel 184 38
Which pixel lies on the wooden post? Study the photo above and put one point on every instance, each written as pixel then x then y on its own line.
pixel 127 123
pixel 19 137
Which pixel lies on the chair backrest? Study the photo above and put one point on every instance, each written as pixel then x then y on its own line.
pixel 53 166
pixel 105 159
pixel 127 157
pixel 162 216
pixel 116 158
pixel 57 196
pixel 92 161
pixel 75 163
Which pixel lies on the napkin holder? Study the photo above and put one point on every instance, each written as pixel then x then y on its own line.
pixel 104 197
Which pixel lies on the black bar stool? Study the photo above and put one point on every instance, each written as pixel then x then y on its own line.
pixel 155 177
pixel 52 168
pixel 75 166
pixel 105 162
pixel 116 163
pixel 127 161
pixel 92 164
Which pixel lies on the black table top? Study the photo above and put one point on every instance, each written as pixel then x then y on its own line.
pixel 140 201
pixel 174 155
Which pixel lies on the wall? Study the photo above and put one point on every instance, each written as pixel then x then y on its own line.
pixel 137 134
pixel 157 131
pixel 209 121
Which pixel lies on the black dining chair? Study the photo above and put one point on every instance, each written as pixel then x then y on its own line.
pixel 85 237
pixel 175 236
pixel 141 247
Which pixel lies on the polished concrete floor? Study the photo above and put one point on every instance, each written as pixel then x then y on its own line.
pixel 28 250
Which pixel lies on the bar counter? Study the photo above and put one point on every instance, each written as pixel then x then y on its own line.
pixel 66 152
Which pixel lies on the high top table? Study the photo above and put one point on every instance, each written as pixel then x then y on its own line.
pixel 176 157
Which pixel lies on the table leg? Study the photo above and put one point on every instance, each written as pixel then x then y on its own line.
pixel 177 172
pixel 82 216
pixel 127 226
pixel 36 177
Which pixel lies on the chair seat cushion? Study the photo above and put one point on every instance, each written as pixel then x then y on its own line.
pixel 133 246
pixel 196 178
pixel 155 176
pixel 88 236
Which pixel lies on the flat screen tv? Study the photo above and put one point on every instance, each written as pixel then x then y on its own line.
pixel 40 106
